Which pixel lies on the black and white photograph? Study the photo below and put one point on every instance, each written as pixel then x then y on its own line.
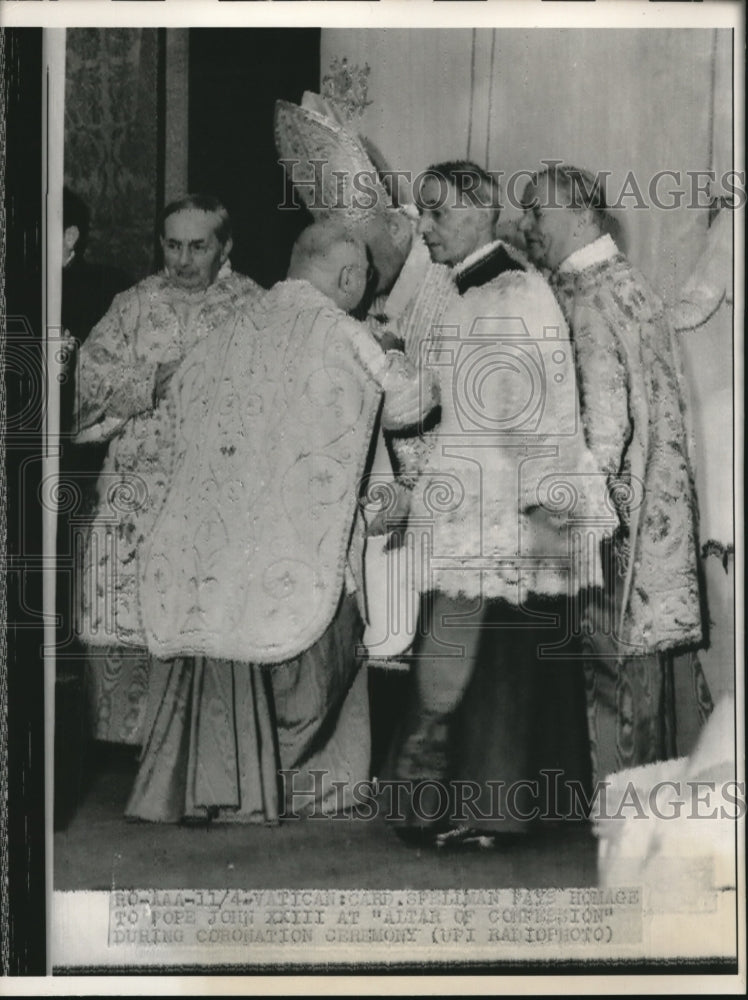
pixel 372 496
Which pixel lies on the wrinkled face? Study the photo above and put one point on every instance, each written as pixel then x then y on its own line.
pixel 389 237
pixel 193 254
pixel 451 227
pixel 549 226
pixel 358 273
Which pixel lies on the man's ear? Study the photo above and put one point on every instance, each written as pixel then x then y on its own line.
pixel 345 278
pixel 70 237
pixel 401 229
pixel 393 222
pixel 227 247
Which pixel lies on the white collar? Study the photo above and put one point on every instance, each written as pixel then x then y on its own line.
pixel 472 258
pixel 601 249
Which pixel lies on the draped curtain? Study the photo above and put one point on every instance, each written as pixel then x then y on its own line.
pixel 111 140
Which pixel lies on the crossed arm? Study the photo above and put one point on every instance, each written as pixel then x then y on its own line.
pixel 113 384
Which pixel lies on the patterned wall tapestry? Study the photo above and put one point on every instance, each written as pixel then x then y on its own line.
pixel 111 138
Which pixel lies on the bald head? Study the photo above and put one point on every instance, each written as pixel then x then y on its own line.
pixel 332 260
pixel 387 234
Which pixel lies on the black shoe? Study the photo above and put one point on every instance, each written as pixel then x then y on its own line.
pixel 200 822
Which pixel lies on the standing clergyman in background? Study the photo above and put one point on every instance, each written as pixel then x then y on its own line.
pixel 632 406
pixel 123 369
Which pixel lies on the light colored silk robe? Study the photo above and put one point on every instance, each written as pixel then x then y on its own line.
pixel 632 399
pixel 633 410
pixel 150 323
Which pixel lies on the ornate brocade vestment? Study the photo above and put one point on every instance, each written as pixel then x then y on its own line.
pixel 275 417
pixel 150 323
pixel 632 404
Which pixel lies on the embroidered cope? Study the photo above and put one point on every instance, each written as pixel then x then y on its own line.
pixel 632 397
pixel 275 418
pixel 151 323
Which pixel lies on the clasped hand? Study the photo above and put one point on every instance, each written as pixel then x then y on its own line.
pixel 392 521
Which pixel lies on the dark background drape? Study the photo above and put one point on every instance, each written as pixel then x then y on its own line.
pixel 235 77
